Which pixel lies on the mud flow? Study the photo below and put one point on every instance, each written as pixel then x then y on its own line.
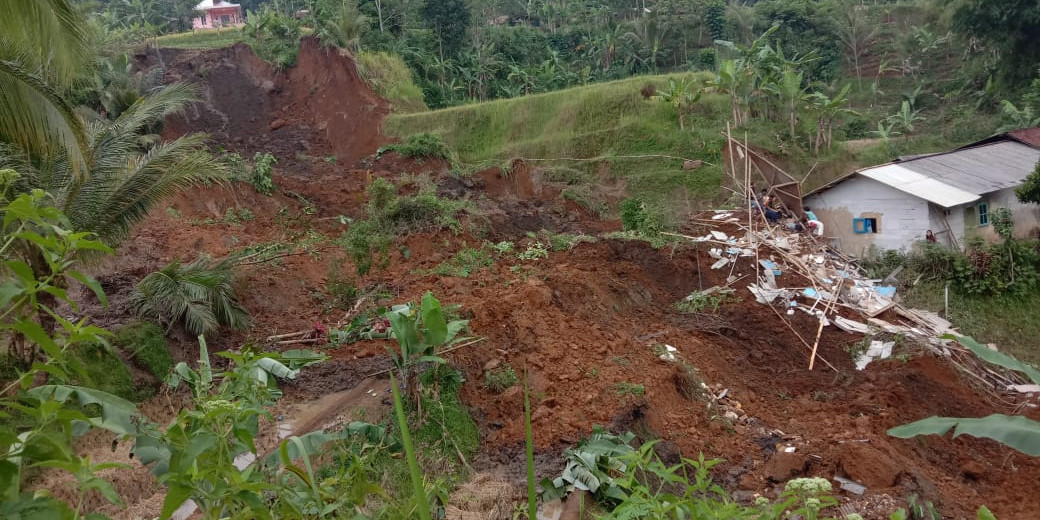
pixel 588 324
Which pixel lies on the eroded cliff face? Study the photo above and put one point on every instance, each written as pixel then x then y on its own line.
pixel 320 107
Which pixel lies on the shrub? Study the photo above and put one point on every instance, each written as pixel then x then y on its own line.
pixel 197 296
pixel 499 379
pixel 390 214
pixel 261 179
pixel 105 371
pixel 146 344
pixel 698 302
pixel 364 239
pixel 641 217
pixel 421 146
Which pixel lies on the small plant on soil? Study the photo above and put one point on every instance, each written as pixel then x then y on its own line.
pixel 261 178
pixel 197 295
pixel 465 262
pixel 499 379
pixel 502 248
pixel 420 333
pixel 535 251
pixel 625 388
pixel 564 241
pixel 698 302
pixel 592 466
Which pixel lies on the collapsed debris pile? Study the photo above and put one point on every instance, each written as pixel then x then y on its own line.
pixel 796 272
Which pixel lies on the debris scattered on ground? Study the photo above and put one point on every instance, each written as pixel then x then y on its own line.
pixel 850 485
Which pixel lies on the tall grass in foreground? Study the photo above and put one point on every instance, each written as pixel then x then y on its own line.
pixel 532 504
pixel 409 452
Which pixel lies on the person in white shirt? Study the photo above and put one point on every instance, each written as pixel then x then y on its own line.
pixel 815 227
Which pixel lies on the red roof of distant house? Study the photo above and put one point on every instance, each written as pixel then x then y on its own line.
pixel 1030 136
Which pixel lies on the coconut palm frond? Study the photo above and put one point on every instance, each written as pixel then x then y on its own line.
pixel 155 107
pixel 198 296
pixel 51 34
pixel 43 50
pixel 35 117
pixel 113 201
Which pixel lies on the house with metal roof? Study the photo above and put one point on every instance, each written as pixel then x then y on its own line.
pixel 952 194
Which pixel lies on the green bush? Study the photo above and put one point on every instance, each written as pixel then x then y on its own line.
pixel 421 146
pixel 146 344
pixel 105 371
pixel 644 219
pixel 262 165
pixel 390 214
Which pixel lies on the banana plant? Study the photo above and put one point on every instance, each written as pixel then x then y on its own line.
pixel 421 333
pixel 680 95
pixel 1014 431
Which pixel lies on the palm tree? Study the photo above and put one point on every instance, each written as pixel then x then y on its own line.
pixel 43 50
pixel 198 295
pixel 128 170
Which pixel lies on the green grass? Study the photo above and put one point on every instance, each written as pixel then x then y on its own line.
pixel 146 344
pixel 202 39
pixel 445 424
pixel 1007 321
pixel 392 80
pixel 570 132
pixel 108 373
pixel 465 262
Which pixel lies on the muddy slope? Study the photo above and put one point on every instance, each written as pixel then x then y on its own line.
pixel 586 323
pixel 320 107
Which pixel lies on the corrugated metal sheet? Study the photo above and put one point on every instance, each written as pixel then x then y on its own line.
pixel 982 169
pixel 919 185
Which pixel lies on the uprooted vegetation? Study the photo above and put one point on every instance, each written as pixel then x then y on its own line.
pixel 389 215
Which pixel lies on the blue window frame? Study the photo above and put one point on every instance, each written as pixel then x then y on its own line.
pixel 862 226
pixel 983 209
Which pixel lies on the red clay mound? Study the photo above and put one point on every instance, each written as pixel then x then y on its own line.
pixel 318 108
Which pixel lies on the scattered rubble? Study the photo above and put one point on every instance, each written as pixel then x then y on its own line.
pixel 797 272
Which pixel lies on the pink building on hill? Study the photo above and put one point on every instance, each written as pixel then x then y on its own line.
pixel 217 13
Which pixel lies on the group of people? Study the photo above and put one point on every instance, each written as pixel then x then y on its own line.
pixel 775 211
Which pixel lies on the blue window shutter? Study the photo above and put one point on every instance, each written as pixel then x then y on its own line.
pixel 859 226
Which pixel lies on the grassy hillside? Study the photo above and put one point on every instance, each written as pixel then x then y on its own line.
pixel 572 132
pixel 202 39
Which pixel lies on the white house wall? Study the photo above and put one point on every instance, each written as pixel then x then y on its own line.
pixel 902 218
pixel 1025 216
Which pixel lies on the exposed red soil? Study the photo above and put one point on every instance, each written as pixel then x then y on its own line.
pixel 580 322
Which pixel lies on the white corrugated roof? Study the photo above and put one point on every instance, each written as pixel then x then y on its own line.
pixel 210 4
pixel 919 185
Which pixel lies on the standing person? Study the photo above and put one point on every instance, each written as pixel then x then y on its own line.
pixel 809 214
pixel 929 237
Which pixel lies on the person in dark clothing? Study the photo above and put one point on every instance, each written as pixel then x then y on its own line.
pixel 929 236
